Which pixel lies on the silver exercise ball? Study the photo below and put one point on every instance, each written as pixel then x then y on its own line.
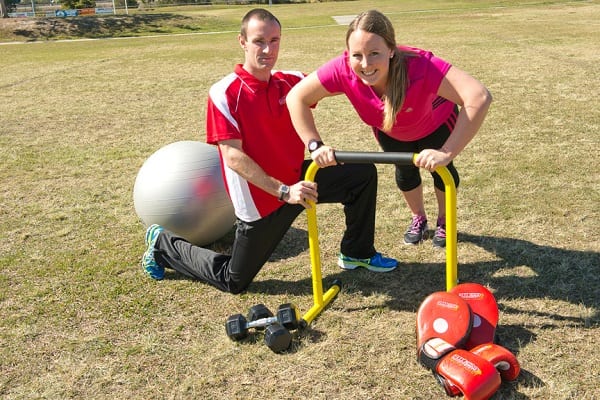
pixel 180 187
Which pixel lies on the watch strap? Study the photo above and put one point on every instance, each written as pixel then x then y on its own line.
pixel 314 145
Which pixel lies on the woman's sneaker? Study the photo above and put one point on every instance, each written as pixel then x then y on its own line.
pixel 439 238
pixel 377 263
pixel 417 231
pixel 151 268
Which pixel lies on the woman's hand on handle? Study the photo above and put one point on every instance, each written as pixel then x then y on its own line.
pixel 431 159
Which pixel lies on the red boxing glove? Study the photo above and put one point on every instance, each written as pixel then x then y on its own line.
pixel 505 362
pixel 443 315
pixel 460 371
pixel 485 312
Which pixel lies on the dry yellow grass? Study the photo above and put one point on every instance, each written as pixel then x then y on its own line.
pixel 80 320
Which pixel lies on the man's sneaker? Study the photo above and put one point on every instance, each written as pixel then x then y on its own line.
pixel 377 263
pixel 439 238
pixel 151 268
pixel 417 230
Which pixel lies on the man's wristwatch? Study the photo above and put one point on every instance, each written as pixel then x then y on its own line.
pixel 283 191
pixel 314 145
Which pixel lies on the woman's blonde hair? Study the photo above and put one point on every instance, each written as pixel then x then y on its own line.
pixel 373 21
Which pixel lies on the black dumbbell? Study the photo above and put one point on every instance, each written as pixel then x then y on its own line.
pixel 258 311
pixel 288 316
pixel 277 338
pixel 237 325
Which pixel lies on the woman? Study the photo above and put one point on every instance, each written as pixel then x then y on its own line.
pixel 411 100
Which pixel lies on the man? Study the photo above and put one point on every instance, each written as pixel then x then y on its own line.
pixel 263 165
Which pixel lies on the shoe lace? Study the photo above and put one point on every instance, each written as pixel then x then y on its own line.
pixel 418 222
pixel 441 231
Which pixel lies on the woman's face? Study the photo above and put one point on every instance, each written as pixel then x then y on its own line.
pixel 369 58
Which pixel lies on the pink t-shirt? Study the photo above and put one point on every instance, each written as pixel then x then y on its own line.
pixel 423 110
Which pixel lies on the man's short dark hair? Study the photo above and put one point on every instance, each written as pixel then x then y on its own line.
pixel 260 14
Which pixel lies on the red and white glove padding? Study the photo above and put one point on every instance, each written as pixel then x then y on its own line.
pixel 505 362
pixel 446 316
pixel 485 312
pixel 460 371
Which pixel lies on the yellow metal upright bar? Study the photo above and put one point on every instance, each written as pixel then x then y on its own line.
pixel 451 231
pixel 320 300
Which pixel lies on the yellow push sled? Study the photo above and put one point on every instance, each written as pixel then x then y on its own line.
pixel 320 299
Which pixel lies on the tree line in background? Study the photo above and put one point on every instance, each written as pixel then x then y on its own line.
pixel 8 6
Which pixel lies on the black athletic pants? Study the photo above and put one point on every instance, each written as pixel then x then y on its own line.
pixel 353 185
pixel 408 177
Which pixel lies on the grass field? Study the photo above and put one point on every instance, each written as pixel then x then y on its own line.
pixel 79 319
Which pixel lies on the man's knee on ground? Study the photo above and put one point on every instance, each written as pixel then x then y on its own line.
pixel 238 286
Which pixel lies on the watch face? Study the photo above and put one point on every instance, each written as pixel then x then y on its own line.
pixel 283 190
pixel 313 145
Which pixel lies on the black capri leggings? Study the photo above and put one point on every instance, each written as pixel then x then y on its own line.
pixel 408 177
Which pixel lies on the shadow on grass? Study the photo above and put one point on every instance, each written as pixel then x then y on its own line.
pixel 555 273
pixel 104 27
pixel 523 270
pixel 540 272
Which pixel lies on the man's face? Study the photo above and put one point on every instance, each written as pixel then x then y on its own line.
pixel 261 47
